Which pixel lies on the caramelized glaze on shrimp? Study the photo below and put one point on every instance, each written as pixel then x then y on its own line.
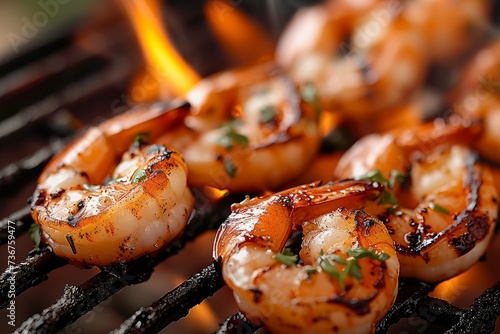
pixel 249 131
pixel 375 70
pixel 311 294
pixel 442 211
pixel 451 28
pixel 144 204
pixel 476 96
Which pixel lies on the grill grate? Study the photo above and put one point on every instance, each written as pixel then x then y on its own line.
pixel 413 300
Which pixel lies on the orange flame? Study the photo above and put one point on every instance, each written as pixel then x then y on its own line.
pixel 244 39
pixel 214 193
pixel 157 49
pixel 201 316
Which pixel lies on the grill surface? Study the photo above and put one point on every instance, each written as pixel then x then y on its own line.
pixel 37 88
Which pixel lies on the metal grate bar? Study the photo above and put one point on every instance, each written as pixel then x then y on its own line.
pixel 410 292
pixel 41 69
pixel 77 301
pixel 71 93
pixel 175 304
pixel 28 273
pixel 18 172
pixel 481 316
pixel 20 220
pixel 237 324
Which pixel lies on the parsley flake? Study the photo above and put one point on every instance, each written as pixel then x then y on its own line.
pixel 139 175
pixel 230 137
pixel 287 257
pixel 438 208
pixel 230 167
pixel 309 94
pixel 268 114
pixel 374 176
pixel 360 253
pixel 396 177
pixel 141 138
pixel 91 187
pixel 35 234
pixel 311 271
pixel 352 267
pixel 386 197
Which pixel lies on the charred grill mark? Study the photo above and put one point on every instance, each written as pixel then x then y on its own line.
pixel 71 243
pixel 39 198
pixel 476 230
pixel 72 221
pixel 85 175
pixel 286 201
pixel 466 228
pixel 57 194
pixel 360 306
pixel 257 294
pixel 363 222
pixel 472 181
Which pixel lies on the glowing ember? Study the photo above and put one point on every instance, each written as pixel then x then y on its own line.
pixel 175 73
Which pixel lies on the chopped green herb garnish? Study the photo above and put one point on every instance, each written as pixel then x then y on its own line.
pixel 375 176
pixel 330 268
pixel 352 266
pixel 111 181
pixel 311 271
pixel 139 175
pixel 35 234
pixel 392 209
pixel 396 177
pixel 268 114
pixel 287 257
pixel 388 198
pixel 141 138
pixel 360 253
pixel 438 208
pixel 230 167
pixel 309 94
pixel 338 259
pixel 91 187
pixel 339 139
pixel 230 137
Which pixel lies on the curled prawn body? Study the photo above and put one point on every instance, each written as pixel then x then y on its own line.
pixel 144 204
pixel 375 70
pixel 441 213
pixel 310 294
pixel 476 97
pixel 249 131
pixel 451 29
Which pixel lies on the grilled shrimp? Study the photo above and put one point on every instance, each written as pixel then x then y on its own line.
pixel 476 97
pixel 249 131
pixel 481 76
pixel 440 204
pixel 92 214
pixel 382 64
pixel 293 259
pixel 451 28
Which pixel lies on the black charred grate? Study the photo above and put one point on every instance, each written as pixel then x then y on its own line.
pixel 94 76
